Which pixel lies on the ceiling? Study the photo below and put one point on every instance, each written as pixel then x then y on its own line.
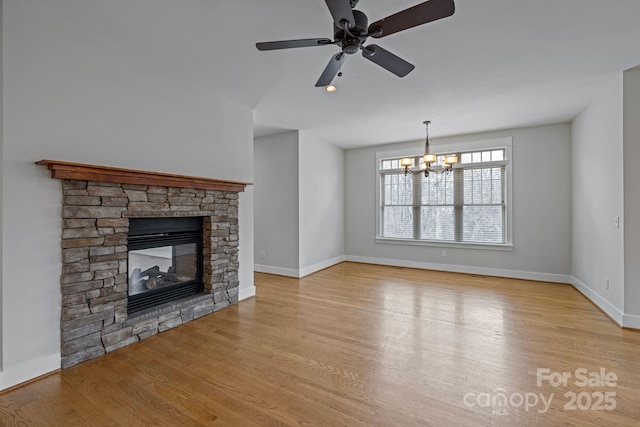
pixel 494 64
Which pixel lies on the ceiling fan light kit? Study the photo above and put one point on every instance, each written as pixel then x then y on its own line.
pixel 352 29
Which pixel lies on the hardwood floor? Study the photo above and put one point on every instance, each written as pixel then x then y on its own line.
pixel 359 345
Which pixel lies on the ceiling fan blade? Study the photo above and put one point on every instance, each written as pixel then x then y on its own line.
pixel 331 70
pixel 423 13
pixel 289 44
pixel 387 60
pixel 341 11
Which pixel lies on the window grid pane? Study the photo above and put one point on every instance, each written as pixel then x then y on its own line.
pixel 437 223
pixel 437 189
pixel 483 224
pixel 398 189
pixel 482 156
pixel 397 222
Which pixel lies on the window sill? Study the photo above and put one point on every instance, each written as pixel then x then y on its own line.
pixel 441 244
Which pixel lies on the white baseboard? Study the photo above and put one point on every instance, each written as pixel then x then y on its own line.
pixel 290 272
pixel 247 292
pixel 631 321
pixel 614 313
pixel 29 370
pixel 321 266
pixel 513 274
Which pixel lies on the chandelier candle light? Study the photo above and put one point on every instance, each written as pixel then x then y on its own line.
pixel 428 160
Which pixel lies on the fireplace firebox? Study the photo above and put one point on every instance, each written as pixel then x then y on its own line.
pixel 164 260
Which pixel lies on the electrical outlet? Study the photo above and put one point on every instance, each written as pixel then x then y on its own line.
pixel 443 254
pixel 263 254
pixel 606 283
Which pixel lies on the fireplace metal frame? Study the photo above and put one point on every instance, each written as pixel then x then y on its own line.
pixel 145 233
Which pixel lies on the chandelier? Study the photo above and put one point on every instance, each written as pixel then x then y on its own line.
pixel 429 161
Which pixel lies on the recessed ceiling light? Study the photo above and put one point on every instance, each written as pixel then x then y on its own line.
pixel 330 88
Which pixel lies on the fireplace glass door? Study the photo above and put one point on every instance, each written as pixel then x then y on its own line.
pixel 164 260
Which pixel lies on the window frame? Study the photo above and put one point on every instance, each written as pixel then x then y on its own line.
pixel 505 143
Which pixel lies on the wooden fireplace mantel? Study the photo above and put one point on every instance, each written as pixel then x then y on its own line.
pixel 84 172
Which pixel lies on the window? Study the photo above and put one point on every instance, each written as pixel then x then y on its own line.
pixel 468 205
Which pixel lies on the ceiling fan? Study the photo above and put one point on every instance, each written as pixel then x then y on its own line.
pixel 351 30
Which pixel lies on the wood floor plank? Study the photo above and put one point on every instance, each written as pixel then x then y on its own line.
pixel 356 345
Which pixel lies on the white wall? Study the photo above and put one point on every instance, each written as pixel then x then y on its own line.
pixel 1 172
pixel 597 199
pixel 631 158
pixel 276 227
pixel 69 97
pixel 541 209
pixel 321 174
pixel 299 204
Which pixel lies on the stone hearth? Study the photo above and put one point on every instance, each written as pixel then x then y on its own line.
pixel 94 276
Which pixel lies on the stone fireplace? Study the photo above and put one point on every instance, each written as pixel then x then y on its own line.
pixel 100 205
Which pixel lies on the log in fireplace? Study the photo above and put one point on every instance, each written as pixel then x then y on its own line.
pixel 164 260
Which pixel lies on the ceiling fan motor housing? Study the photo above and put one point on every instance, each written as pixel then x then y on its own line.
pixel 351 45
pixel 362 22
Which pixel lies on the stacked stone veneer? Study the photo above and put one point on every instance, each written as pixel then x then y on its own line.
pixel 94 256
